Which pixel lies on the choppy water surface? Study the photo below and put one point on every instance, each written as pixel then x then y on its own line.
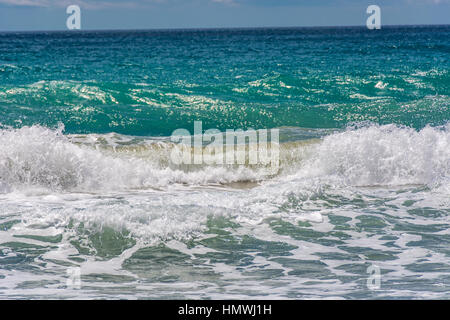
pixel 86 179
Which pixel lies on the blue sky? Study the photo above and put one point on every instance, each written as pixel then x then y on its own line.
pixel 29 15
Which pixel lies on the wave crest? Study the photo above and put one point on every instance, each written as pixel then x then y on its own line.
pixel 38 156
pixel 367 156
pixel 383 155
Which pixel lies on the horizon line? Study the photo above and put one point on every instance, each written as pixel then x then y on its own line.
pixel 219 28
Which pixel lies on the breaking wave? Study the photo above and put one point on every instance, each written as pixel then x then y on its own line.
pixel 371 155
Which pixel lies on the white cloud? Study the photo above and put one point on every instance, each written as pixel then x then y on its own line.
pixel 226 2
pixel 84 4
pixel 29 3
pixel 428 1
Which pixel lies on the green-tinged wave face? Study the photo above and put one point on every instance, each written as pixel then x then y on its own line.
pixel 151 83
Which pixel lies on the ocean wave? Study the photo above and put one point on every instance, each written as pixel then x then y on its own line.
pixel 41 157
pixel 383 155
pixel 366 156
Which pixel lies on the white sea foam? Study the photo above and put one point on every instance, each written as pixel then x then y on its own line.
pixel 37 156
pixel 383 155
pixel 367 156
pixel 80 187
pixel 49 176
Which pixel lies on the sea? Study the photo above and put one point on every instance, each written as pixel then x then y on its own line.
pixel 93 207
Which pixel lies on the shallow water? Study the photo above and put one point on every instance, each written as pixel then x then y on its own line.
pixel 137 229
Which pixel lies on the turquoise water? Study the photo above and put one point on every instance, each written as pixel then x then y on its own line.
pixel 86 180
